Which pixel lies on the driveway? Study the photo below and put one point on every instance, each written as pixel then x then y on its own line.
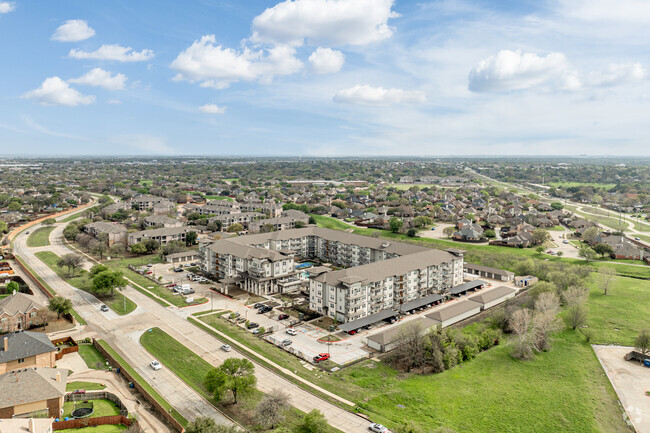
pixel 630 381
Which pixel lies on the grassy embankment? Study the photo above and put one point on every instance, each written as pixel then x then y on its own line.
pixel 40 237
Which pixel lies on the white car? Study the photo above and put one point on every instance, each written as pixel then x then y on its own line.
pixel 225 348
pixel 292 331
pixel 378 428
pixel 155 365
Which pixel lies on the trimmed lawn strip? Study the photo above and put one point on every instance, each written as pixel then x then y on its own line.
pixel 88 386
pixel 40 237
pixel 98 429
pixel 100 408
pixel 92 357
pixel 164 403
pixel 83 282
pixel 71 217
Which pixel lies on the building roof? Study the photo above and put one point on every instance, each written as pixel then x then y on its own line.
pixel 417 303
pixel 453 310
pixel 368 320
pixel 24 344
pixel 32 384
pixel 461 288
pixel 161 219
pixel 164 231
pixel 395 332
pixel 18 303
pixel 191 253
pixel 226 246
pixel 492 295
pixel 27 425
pixel 495 271
pixel 106 227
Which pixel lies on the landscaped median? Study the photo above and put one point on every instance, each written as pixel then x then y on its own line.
pixel 40 237
pixel 83 281
pixel 148 392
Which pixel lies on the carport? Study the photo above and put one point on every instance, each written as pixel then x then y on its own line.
pixel 462 289
pixel 420 302
pixel 493 297
pixel 355 325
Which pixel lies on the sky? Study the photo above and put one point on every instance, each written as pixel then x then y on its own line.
pixel 324 77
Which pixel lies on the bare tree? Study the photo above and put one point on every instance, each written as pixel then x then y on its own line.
pixel 519 323
pixel 411 352
pixel 642 342
pixel 269 412
pixel 547 301
pixel 70 261
pixel 544 323
pixel 575 298
pixel 606 278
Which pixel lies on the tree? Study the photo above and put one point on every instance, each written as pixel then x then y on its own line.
pixel 421 221
pixel 269 411
pixel 99 248
pixel 14 206
pixel 540 249
pixel 13 286
pixel 557 205
pixel 395 224
pixel 49 222
pixel 489 233
pixel 190 238
pixel 234 228
pixel 540 236
pixel 70 261
pixel 267 228
pixel 607 278
pixel 576 312
pixel 3 227
pixel 449 231
pixel 208 425
pixel 603 249
pixel 138 248
pixel 590 234
pixel 313 422
pixel 547 301
pixel 60 305
pixel 96 269
pixel 235 375
pixel 586 252
pixel 560 253
pixel 71 232
pixel 108 281
pixel 519 323
pixel 642 342
pixel 544 323
pixel 412 233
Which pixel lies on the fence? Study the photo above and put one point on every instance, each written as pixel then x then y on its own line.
pixel 92 422
pixel 72 346
pixel 100 395
pixel 138 386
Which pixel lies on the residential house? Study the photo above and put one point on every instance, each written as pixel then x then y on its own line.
pixel 469 233
pixel 25 349
pixel 19 312
pixel 33 392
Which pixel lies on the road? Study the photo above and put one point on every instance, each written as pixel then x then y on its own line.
pixel 123 332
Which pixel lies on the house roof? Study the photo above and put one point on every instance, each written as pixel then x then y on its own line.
pixel 492 295
pixel 31 385
pixel 18 303
pixel 23 345
pixel 453 310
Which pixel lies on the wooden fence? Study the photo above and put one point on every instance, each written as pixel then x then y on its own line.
pixel 98 395
pixel 73 346
pixel 137 385
pixel 92 422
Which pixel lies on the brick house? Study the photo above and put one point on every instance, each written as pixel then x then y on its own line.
pixel 19 312
pixel 33 392
pixel 115 232
pixel 26 349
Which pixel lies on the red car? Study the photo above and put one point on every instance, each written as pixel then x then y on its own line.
pixel 354 331
pixel 321 357
pixel 283 316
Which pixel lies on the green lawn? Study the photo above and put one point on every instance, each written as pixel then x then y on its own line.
pixel 556 228
pixel 100 408
pixel 92 357
pixel 405 186
pixel 164 403
pixel 81 280
pixel 88 386
pixel 98 429
pixel 567 184
pixel 72 217
pixel 218 197
pixel 40 237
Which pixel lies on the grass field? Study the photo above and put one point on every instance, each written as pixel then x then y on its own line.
pixel 567 184
pixel 72 217
pixel 40 237
pixel 97 429
pixel 88 386
pixel 125 365
pixel 405 186
pixel 556 228
pixel 92 357
pixel 117 302
pixel 100 408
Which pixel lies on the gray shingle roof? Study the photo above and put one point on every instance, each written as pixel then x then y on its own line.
pixel 31 385
pixel 453 310
pixel 23 345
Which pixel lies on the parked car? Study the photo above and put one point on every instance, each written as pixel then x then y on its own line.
pixel 354 331
pixel 321 357
pixel 236 314
pixel 256 331
pixel 566 241
pixel 171 286
pixel 258 305
pixel 104 308
pixel 178 269
pixel 26 233
pixel 286 342
pixel 149 272
pixel 637 239
pixel 149 265
pixel 265 309
pixel 291 331
pixel 155 365
pixel 283 316
pixel 253 325
pixel 241 320
pixel 225 348
pixel 377 428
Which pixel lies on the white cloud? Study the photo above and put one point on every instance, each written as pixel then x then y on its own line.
pixel 6 7
pixel 618 73
pixel 514 70
pixel 212 109
pixel 100 78
pixel 113 52
pixel 114 101
pixel 631 11
pixel 73 31
pixel 331 22
pixel 215 66
pixel 55 91
pixel 368 95
pixel 151 144
pixel 326 60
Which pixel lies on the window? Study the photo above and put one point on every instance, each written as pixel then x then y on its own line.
pixel 21 360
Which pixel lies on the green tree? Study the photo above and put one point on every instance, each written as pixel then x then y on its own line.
pixel 236 375
pixel 642 342
pixel 449 231
pixel 11 286
pixel 489 233
pixel 49 222
pixel 3 227
pixel 60 305
pixel 208 425
pixel 590 234
pixel 190 238
pixel 108 281
pixel 96 269
pixel 412 233
pixel 14 206
pixel 99 248
pixel 313 422
pixel 71 232
pixel 557 205
pixel 586 252
pixel 234 228
pixel 138 248
pixel 540 236
pixel 603 249
pixel 395 224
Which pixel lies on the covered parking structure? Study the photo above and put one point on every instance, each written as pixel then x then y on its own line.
pixel 421 302
pixel 455 312
pixel 389 339
pixel 355 325
pixel 493 297
pixel 463 289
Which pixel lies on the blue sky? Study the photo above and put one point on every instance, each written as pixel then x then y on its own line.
pixel 324 77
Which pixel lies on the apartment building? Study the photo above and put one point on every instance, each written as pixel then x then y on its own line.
pixel 146 202
pixel 162 235
pixel 114 232
pixel 162 220
pixel 379 274
pixel 243 218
